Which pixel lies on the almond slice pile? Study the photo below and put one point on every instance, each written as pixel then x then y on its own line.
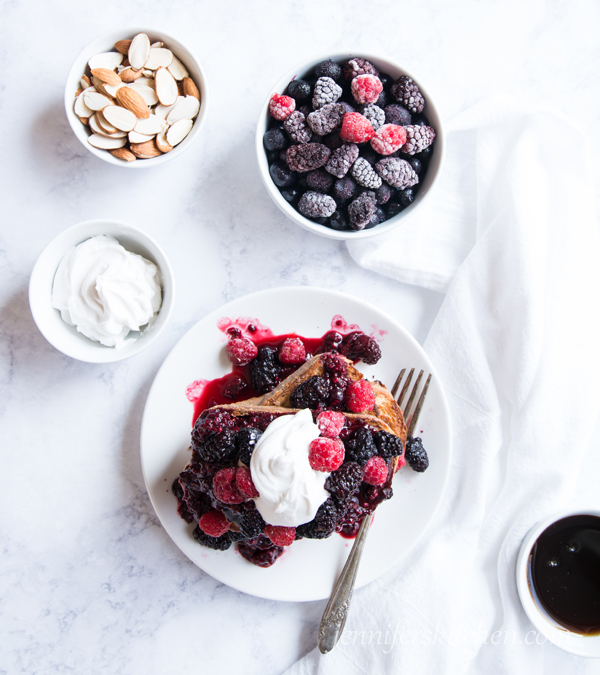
pixel 138 101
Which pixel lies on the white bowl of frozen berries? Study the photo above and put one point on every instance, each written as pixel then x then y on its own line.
pixel 349 146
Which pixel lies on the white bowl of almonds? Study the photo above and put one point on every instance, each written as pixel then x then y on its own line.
pixel 136 94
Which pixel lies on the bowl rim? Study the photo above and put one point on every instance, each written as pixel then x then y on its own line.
pixel 574 643
pixel 48 320
pixel 322 230
pixel 75 72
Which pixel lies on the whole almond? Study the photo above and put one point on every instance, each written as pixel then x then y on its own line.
pixel 107 76
pixel 145 150
pixel 190 88
pixel 130 75
pixel 122 46
pixel 123 153
pixel 133 101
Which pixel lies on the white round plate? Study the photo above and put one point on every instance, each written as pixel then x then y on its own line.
pixel 309 568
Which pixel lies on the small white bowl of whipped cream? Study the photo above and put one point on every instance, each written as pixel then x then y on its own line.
pixel 101 291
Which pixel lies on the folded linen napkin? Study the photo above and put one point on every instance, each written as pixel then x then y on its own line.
pixel 516 346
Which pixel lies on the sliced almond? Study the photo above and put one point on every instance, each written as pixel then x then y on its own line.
pixel 148 94
pixel 109 60
pixel 157 45
pixel 124 154
pixel 150 126
pixel 164 110
pixel 162 144
pixel 139 51
pixel 95 101
pixel 122 46
pixel 84 82
pixel 79 91
pixel 135 137
pixel 120 117
pixel 112 89
pixel 179 131
pixel 146 81
pixel 106 76
pixel 99 86
pixel 166 86
pixel 159 58
pixel 81 109
pixel 84 120
pixel 96 125
pixel 130 99
pixel 190 88
pixel 148 74
pixel 184 109
pixel 105 142
pixel 145 150
pixel 177 69
pixel 129 74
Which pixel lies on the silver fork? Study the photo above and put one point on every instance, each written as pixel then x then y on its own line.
pixel 336 612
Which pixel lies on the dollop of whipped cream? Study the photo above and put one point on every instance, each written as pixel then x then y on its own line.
pixel 290 490
pixel 106 291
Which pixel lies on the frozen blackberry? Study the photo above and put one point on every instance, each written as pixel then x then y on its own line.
pixel 338 221
pixel 361 347
pixel 364 174
pixel 359 66
pixel 361 210
pixel 300 90
pixel 246 440
pixel 297 128
pixel 281 175
pixel 319 180
pixel 316 205
pixel 275 139
pixel 397 114
pixel 416 455
pixel 417 139
pixel 264 370
pixel 331 341
pixel 251 523
pixel 324 523
pixel 219 448
pixel 388 445
pixel 221 543
pixel 374 114
pixel 408 94
pixel 327 118
pixel 360 446
pixel 307 157
pixel 345 481
pixel 341 160
pixel 330 69
pixel 262 557
pixel 345 188
pixel 312 393
pixel 407 196
pixel 383 194
pixel 396 172
pixel 326 91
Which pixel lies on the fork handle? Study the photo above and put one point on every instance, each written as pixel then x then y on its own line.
pixel 336 612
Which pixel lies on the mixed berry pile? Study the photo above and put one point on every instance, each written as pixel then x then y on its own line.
pixel 347 145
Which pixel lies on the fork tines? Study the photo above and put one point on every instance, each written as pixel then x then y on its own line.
pixel 411 416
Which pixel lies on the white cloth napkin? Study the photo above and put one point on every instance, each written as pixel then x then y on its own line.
pixel 512 239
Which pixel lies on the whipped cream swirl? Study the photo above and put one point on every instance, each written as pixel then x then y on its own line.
pixel 290 490
pixel 106 291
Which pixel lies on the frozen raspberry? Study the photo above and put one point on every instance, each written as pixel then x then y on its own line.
pixel 374 114
pixel 417 139
pixel 326 454
pixel 324 120
pixel 319 180
pixel 292 351
pixel 356 128
pixel 366 88
pixel 214 523
pixel 330 69
pixel 396 114
pixel 360 397
pixel 361 210
pixel 241 351
pixel 326 91
pixel 330 423
pixel 388 139
pixel 225 487
pixel 356 67
pixel 408 94
pixel 316 205
pixel 281 107
pixel 244 483
pixel 342 159
pixel 376 471
pixel 281 536
pixel 296 128
pixel 307 157
pixel 364 174
pixel 397 172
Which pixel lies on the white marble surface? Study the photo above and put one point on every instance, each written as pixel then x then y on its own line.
pixel 90 582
